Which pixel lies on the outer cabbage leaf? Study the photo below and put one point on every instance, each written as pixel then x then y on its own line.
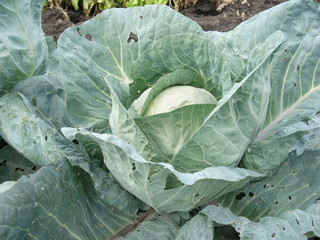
pixel 148 180
pixel 47 96
pixel 199 227
pixel 289 225
pixel 309 142
pixel 62 198
pixel 53 64
pixel 294 185
pixel 86 55
pixel 43 145
pixel 6 185
pixel 294 75
pixel 109 191
pixel 284 205
pixel 23 49
pixel 58 202
pixel 13 165
pixel 156 227
pixel 21 127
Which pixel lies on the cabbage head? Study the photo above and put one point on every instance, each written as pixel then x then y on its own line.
pixel 178 96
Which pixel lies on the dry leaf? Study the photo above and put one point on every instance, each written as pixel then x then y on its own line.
pixel 223 3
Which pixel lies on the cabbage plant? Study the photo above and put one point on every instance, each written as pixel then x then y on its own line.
pixel 151 128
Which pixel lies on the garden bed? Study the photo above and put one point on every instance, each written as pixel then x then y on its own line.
pixel 55 21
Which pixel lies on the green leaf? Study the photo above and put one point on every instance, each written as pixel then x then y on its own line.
pixel 58 202
pixel 86 55
pixel 294 75
pixel 53 65
pixel 23 49
pixel 156 227
pixel 294 185
pixel 4 186
pixel 124 126
pixel 13 165
pixel 21 127
pixel 199 227
pixel 309 142
pixel 234 121
pixel 148 180
pixel 290 225
pixel 47 96
pixel 170 131
pixel 75 4
pixel 187 51
pixel 109 191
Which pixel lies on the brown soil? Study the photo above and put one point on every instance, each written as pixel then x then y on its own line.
pixel 55 21
pixel 204 12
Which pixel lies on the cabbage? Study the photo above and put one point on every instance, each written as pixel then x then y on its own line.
pixel 140 125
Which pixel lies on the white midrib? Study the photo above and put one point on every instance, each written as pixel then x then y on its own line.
pixel 263 132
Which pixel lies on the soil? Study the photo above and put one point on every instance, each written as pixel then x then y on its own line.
pixel 205 13
pixel 56 20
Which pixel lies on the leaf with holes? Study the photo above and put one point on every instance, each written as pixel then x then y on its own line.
pixel 294 224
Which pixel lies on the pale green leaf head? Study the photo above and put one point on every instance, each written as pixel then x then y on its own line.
pixel 178 96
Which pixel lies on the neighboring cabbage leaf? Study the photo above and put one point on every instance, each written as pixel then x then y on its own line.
pixel 77 201
pixel 6 186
